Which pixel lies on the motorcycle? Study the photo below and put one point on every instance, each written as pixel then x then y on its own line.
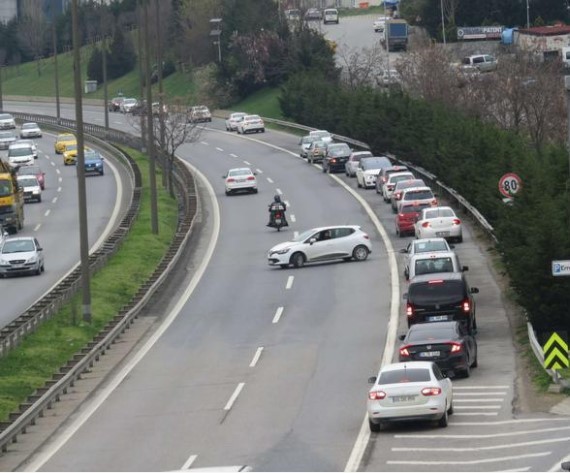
pixel 277 219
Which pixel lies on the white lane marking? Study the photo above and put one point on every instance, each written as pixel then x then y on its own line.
pixel 204 143
pixel 526 468
pixel 477 449
pixel 293 219
pixel 286 202
pixel 57 170
pixel 235 395
pixel 279 191
pixel 234 155
pixel 247 163
pixel 54 200
pixel 37 227
pixel 219 149
pixel 59 189
pixel 47 212
pixel 60 179
pixel 469 462
pixel 522 421
pixel 479 407
pixel 472 388
pixel 290 280
pixel 270 180
pixel 556 466
pixel 492 399
pixel 476 394
pixel 482 436
pixel 256 357
pixel 295 234
pixel 188 463
pixel 59 441
pixel 259 171
pixel 488 414
pixel 278 314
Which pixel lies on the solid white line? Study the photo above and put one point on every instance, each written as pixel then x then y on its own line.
pixel 234 155
pixel 37 227
pixel 481 436
pixel 521 421
pixel 247 163
pixel 54 200
pixel 256 357
pixel 47 212
pixel 479 407
pixel 492 399
pixel 476 394
pixel 290 280
pixel 556 466
pixel 52 448
pixel 293 218
pixel 487 414
pixel 476 449
pixel 259 171
pixel 188 463
pixel 469 462
pixel 279 191
pixel 219 149
pixel 278 314
pixel 471 388
pixel 270 180
pixel 526 468
pixel 232 399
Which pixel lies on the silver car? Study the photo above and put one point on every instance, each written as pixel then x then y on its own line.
pixel 428 245
pixel 7 122
pixel 6 139
pixel 233 120
pixel 351 165
pixel 21 255
pixel 30 130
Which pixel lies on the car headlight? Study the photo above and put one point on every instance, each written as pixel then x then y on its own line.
pixel 280 252
pixel 32 259
pixel 4 262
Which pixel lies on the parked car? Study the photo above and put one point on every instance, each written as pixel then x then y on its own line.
pixel 418 195
pixel 21 255
pixel 406 218
pixel 32 144
pixel 483 62
pixel 94 162
pixel 336 157
pixel 240 180
pixel 436 262
pixel 128 105
pixel 409 392
pixel 35 171
pixel 6 139
pixel 322 135
pixel 7 122
pixel 351 165
pixel 20 154
pixel 199 114
pixel 385 185
pixel 62 141
pixel 114 104
pixel 399 190
pixel 447 344
pixel 317 151
pixel 368 169
pixel 429 245
pixel 251 123
pixel 439 222
pixel 322 244
pixel 31 187
pixel 233 120
pixel 441 297
pixel 30 130
pixel 330 15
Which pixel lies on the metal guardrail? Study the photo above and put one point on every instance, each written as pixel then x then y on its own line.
pixel 44 398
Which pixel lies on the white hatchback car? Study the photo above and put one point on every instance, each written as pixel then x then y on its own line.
pixel 240 180
pixel 390 184
pixel 368 169
pixel 21 255
pixel 233 120
pixel 251 123
pixel 322 135
pixel 436 262
pixel 439 222
pixel 428 245
pixel 322 244
pixel 409 391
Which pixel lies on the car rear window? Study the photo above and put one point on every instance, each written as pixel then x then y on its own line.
pixel 339 150
pixel 436 333
pixel 431 245
pixel 433 265
pixel 419 195
pixel 412 183
pixel 396 179
pixel 410 209
pixel 405 375
pixel 437 291
pixel 435 213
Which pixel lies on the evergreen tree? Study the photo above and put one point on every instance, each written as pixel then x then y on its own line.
pixel 95 66
pixel 122 58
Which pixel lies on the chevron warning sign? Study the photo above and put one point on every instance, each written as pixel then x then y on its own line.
pixel 555 353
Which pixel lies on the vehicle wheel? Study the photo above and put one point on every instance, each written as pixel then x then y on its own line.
pixel 467 372
pixel 227 192
pixel 38 271
pixel 283 266
pixel 398 233
pixel 358 183
pixel 450 410
pixel 324 169
pixel 360 253
pixel 394 211
pixel 298 260
pixel 475 362
pixel 460 239
pixel 444 420
pixel 255 191
pixel 263 130
pixel 375 427
pixel 39 199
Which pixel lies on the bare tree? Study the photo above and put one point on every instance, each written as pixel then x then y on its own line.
pixel 32 31
pixel 361 67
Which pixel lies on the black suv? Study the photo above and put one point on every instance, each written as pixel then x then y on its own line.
pixel 336 157
pixel 440 297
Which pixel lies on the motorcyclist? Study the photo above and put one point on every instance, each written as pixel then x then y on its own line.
pixel 274 207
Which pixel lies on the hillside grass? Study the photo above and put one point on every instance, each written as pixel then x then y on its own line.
pixel 264 102
pixel 42 353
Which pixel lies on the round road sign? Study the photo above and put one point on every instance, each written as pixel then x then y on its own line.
pixel 509 184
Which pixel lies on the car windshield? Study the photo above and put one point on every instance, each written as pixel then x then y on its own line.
pixel 28 182
pixel 28 126
pixel 437 213
pixel 372 164
pixel 338 150
pixel 239 172
pixel 410 209
pixel 303 236
pixel 6 134
pixel 437 291
pixel 5 187
pixel 442 331
pixel 431 245
pixel 29 170
pixel 434 265
pixel 419 195
pixel 17 152
pixel 5 116
pixel 18 246
pixel 405 375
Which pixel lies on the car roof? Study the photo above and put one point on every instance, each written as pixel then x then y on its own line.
pixel 429 325
pixel 423 278
pixel 406 364
pixel 240 169
pixel 20 144
pixel 399 173
pixel 433 254
pixel 427 240
pixel 419 188
pixel 318 229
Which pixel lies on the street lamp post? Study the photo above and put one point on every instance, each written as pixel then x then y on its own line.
pixel 216 32
pixel 443 22
pixel 527 15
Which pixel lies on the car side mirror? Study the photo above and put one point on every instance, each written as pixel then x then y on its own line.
pixel 224 176
pixel 405 296
pixel 465 268
pixel 404 250
pixel 474 290
pixel 40 248
pixel 452 246
pixel 312 240
pixel 401 337
pixel 372 379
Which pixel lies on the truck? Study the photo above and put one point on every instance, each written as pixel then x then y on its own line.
pixel 11 200
pixel 396 35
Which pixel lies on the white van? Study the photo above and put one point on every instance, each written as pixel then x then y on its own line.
pixel 330 16
pixel 20 154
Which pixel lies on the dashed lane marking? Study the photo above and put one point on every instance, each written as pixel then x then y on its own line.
pixel 235 395
pixel 54 200
pixel 205 143
pixel 290 280
pixel 37 227
pixel 188 463
pixel 47 212
pixel 510 433
pixel 259 171
pixel 270 180
pixel 278 314
pixel 256 357
pixel 469 462
pixel 234 155
pixel 279 191
pixel 293 218
pixel 247 163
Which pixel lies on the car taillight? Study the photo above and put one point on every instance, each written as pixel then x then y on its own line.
pixel 251 178
pixel 277 214
pixel 456 221
pixel 431 391
pixel 398 195
pixel 456 347
pixel 434 203
pixel 365 236
pixel 231 179
pixel 376 395
pixel 409 310
pixel 426 225
pixel 466 306
pixel 404 351
pixel 333 160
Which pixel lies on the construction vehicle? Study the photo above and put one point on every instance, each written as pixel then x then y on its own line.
pixel 11 200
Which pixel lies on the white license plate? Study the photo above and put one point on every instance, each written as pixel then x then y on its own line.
pixel 437 318
pixel 429 354
pixel 403 398
pixel 240 180
pixel 442 234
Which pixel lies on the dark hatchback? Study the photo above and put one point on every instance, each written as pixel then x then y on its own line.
pixel 448 344
pixel 441 297
pixel 336 157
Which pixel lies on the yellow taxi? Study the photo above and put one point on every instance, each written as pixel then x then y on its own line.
pixel 63 140
pixel 70 154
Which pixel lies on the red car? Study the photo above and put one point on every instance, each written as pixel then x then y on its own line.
pixel 35 171
pixel 409 214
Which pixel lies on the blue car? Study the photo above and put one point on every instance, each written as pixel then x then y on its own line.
pixel 94 163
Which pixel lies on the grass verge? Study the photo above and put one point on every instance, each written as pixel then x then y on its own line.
pixel 30 365
pixel 264 102
pixel 374 10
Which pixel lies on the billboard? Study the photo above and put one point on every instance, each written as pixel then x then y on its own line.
pixel 479 32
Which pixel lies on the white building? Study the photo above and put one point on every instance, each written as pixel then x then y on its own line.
pixel 8 10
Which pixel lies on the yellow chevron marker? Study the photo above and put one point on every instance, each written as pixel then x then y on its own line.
pixel 556 353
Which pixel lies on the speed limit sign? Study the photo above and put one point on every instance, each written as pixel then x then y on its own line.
pixel 509 184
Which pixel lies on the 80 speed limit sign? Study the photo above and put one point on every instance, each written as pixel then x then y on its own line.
pixel 510 184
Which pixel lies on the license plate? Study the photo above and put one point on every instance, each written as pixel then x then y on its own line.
pixel 437 318
pixel 240 180
pixel 429 354
pixel 278 221
pixel 403 398
pixel 441 234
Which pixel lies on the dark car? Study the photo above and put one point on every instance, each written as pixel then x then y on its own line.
pixel 336 157
pixel 448 344
pixel 441 297
pixel 33 171
pixel 94 163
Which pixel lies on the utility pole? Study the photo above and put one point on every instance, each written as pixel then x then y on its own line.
pixel 442 23
pixel 54 41
pixel 160 91
pixel 141 72
pixel 105 90
pixel 83 234
pixel 150 131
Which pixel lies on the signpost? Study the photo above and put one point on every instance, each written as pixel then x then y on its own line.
pixel 510 184
pixel 556 352
pixel 561 268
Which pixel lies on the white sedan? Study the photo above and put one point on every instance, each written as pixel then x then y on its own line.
pixel 428 245
pixel 251 123
pixel 240 180
pixel 407 391
pixel 233 120
pixel 368 169
pixel 439 222
pixel 30 130
pixel 320 245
